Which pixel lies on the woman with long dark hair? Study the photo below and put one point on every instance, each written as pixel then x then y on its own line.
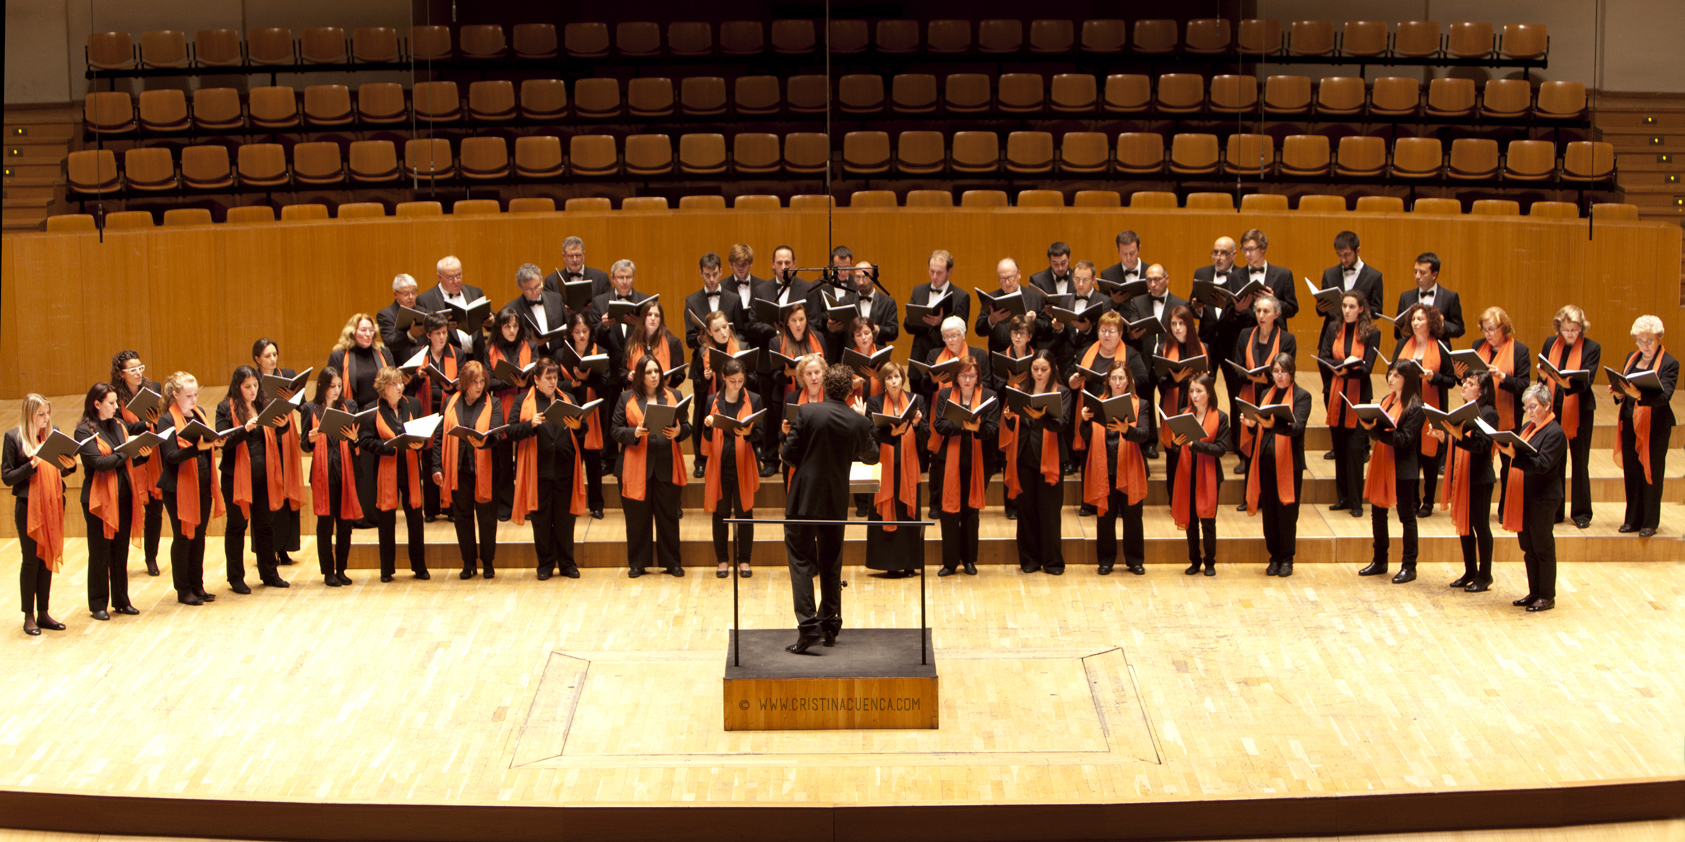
pixel 957 453
pixel 1275 485
pixel 1115 478
pixel 716 335
pixel 464 471
pixel 110 508
pixel 192 493
pixel 651 472
pixel 586 385
pixel 1183 343
pixel 333 477
pixel 128 377
pixel 549 479
pixel 253 481
pixel 1392 481
pixel 39 514
pixel 896 550
pixel 1196 472
pixel 509 341
pixel 794 341
pixel 428 390
pixel 1467 491
pixel 731 476
pixel 1031 441
pixel 1424 327
pixel 266 358
pixel 651 338
pixel 1348 356
pixel 396 474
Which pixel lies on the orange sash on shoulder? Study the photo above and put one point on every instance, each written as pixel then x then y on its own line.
pixel 1009 446
pixel 1349 385
pixel 1515 483
pixel 748 473
pixel 632 478
pixel 105 494
pixel 44 522
pixel 1502 359
pixel 143 478
pixel 187 479
pixel 1428 445
pixel 1283 457
pixel 526 465
pixel 1131 468
pixel 1640 418
pixel 1078 440
pixel 1207 482
pixel 321 499
pixel 1568 359
pixel 482 456
pixel 1249 389
pixel 1380 488
pixel 951 463
pixel 898 463
pixel 386 482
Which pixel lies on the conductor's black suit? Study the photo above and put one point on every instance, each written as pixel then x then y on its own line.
pixel 826 438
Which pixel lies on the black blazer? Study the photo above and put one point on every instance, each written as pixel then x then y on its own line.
pixel 600 282
pixel 371 443
pixel 697 304
pixel 467 416
pixel 675 353
pixel 174 455
pixel 1540 483
pixel 141 425
pixel 1118 275
pixel 252 441
pixel 1140 307
pixel 1280 282
pixel 96 463
pixel 16 469
pixel 1477 447
pixel 433 300
pixel 556 443
pixel 1591 359
pixel 1221 331
pixel 1405 441
pixel 360 387
pixel 330 450
pixel 1368 285
pixel 826 438
pixel 658 457
pixel 1327 351
pixel 1513 387
pixel 1445 378
pixel 988 430
pixel 555 316
pixel 985 374
pixel 1659 401
pixel 745 324
pixel 612 336
pixel 885 317
pixel 1045 281
pixel 1289 345
pixel 926 337
pixel 399 342
pixel 1444 300
pixel 1301 417
pixel 1000 334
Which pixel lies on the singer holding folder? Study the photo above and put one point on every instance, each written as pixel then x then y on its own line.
pixel 1275 485
pixel 1030 439
pixel 957 453
pixel 110 505
pixel 191 493
pixel 396 473
pixel 359 356
pixel 651 471
pixel 890 548
pixel 731 475
pixel 38 486
pixel 266 358
pixel 586 385
pixel 1114 479
pixel 429 389
pixel 128 377
pixel 1573 400
pixel 462 466
pixel 549 479
pixel 333 477
pixel 1646 421
pixel 1392 481
pixel 1348 354
pixel 254 481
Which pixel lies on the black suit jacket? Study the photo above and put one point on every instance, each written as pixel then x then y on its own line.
pixel 885 317
pixel 1368 285
pixel 1043 281
pixel 600 282
pixel 826 439
pixel 697 304
pixel 1140 307
pixel 1444 300
pixel 400 343
pixel 1280 282
pixel 926 337
pixel 433 300
pixel 1000 333
pixel 1222 330
pixel 555 316
pixel 1116 274
pixel 612 338
pixel 1540 482
pixel 756 332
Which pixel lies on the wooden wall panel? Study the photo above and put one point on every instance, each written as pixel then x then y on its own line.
pixel 297 282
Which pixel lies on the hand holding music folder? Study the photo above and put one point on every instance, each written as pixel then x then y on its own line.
pixel 627 311
pixel 1282 413
pixel 409 317
pixel 277 409
pixel 1011 302
pixel 275 384
pixel 942 369
pixel 416 362
pixel 1638 379
pixel 749 357
pixel 1505 437
pixel 593 362
pixel 1331 296
pixel 1470 358
pixel 731 423
pixel 963 415
pixel 861 361
pixel 1166 367
pixel 941 306
pixel 891 420
pixel 1249 373
pixel 1120 408
pixel 1459 417
pixel 1184 425
pixel 146 404
pixel 146 439
pixel 339 425
pixel 60 445
pixel 479 440
pixel 660 416
pixel 195 427
pixel 771 312
pixel 436 373
pixel 780 361
pixel 836 310
pixel 575 294
pixel 1122 292
pixel 1007 366
pixel 541 336
pixel 1580 375
pixel 1018 400
pixel 1369 411
pixel 510 373
pixel 1340 367
pixel 559 410
pixel 416 431
pixel 472 316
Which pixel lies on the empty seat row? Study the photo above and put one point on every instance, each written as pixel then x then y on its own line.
pixel 276 47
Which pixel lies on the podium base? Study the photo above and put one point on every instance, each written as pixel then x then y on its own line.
pixel 872 678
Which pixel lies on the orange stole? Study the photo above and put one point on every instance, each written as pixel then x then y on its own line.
pixel 951 463
pixel 386 482
pixel 143 478
pixel 1380 488
pixel 1173 396
pixel 275 472
pixel 1640 419
pixel 898 467
pixel 1503 359
pixel 1454 494
pixel 662 355
pixel 1283 460
pixel 424 395
pixel 1009 446
pixel 526 466
pixel 1428 445
pixel 105 495
pixel 1131 469
pixel 1515 483
pixel 594 421
pixel 1568 359
pixel 187 480
pixel 632 478
pixel 748 473
pixel 1121 354
pixel 1350 386
pixel 1207 482
pixel 507 396
pixel 44 522
pixel 482 456
pixel 1249 391
pixel 321 498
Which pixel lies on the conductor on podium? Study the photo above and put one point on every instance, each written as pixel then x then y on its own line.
pixel 824 441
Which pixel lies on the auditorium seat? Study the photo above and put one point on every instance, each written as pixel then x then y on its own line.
pixel 1361 156
pixel 1259 37
pixel 122 220
pixel 1287 95
pixel 752 95
pixel 108 112
pixel 650 96
pixel 1451 98
pixel 1473 159
pixel 1250 155
pixel 436 102
pixel 742 38
pixel 187 216
pixel 1051 37
pixel 966 93
pixel 303 212
pixel 1417 158
pixel 756 153
pixel 475 207
pixel 419 209
pixel 262 165
pixel 487 157
pixel 1029 153
pixel 1311 38
pixel 430 43
pixel 1395 96
pixel 1210 201
pixel 1524 41
pixel 1084 152
pixel 929 199
pixel 595 98
pixel 273 108
pixel 1496 207
pixel 1322 203
pixel 913 93
pixel 247 215
pixel 1340 96
pixel 793 37
pixel 1586 160
pixel 328 106
pixel 975 153
pixel 216 48
pixel 361 210
pixel 1128 93
pixel 1605 211
pixel 1262 202
pixel 807 153
pixel 270 46
pixel 1097 199
pixel 1232 94
pixel 866 153
pixel 429 158
pixel 1073 93
pixel 1041 199
pixel 218 110
pixel 947 37
pixel 317 164
pixel 1554 210
pixel 373 162
pixel 591 155
pixel 702 203
pixel 756 203
pixel 1020 93
pixel 378 104
pixel 206 167
pixel 644 203
pixel 1140 153
pixel 809 201
pixel 983 199
pixel 702 96
pixel 588 204
pixel 1529 160
pixel 70 222
pixel 322 45
pixel 491 101
pixel 150 169
pixel 1103 37
pixel 1000 37
pixel 1380 204
pixel 1193 154
pixel 585 40
pixel 920 153
pixel 534 41
pixel 1416 39
pixel 860 93
pixel 1181 93
pixel 528 204
pixel 897 37
pixel 637 39
pixel 807 94
pixel 1207 36
pixel 1305 155
pixel 375 45
pixel 872 199
pixel 1437 206
pixel 849 37
pixel 1155 37
pixel 163 48
pixel 690 39
pixel 1153 200
pixel 1506 99
pixel 1365 38
pixel 703 154
pixel 1561 101
pixel 1469 40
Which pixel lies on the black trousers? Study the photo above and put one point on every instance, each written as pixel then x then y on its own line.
pixel 153 528
pixel 1196 524
pixel 386 524
pixel 1280 521
pixel 503 477
pixel 1038 519
pixel 592 460
pixel 959 529
pixel 1538 547
pixel 261 522
pixel 35 580
pixel 652 525
pixel 1644 499
pixel 368 473
pixel 430 504
pixel 187 555
pixel 285 527
pixel 476 523
pixel 1407 505
pixel 732 505
pixel 552 524
pixel 1134 537
pixel 1579 453
pixel 815 551
pixel 108 558
pixel 1477 545
pixel 1430 466
pixel 1349 447
pixel 333 534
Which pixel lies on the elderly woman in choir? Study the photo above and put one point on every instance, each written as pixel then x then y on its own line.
pixel 1532 495
pixel 1645 396
pixel 1573 401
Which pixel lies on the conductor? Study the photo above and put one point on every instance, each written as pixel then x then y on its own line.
pixel 825 439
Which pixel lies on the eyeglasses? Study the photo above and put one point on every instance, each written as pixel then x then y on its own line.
pixel 135 369
pixel 1220 252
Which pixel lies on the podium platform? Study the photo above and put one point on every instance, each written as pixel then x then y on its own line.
pixel 872 678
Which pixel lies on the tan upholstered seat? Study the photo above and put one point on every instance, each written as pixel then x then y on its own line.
pixel 1153 199
pixel 304 212
pixel 373 162
pixel 270 46
pixel 929 199
pixel 873 199
pixel 592 155
pixel 1210 201
pixel 217 48
pixel 323 45
pixel 538 156
pixel 436 102
pixel 1140 153
pixel 1073 93
pixel 702 96
pixel 866 153
pixel 108 112
pixel 1306 155
pixel 976 152
pixel 429 158
pixel 1097 199
pixel 648 155
pixel 1473 159
pixel 1085 153
pixel 544 99
pixel 1249 154
pixel 380 104
pixel 65 223
pixel 375 45
pixel 1529 160
pixel 262 165
pixel 1322 203
pixel 702 154
pixel 1362 156
pixel 317 164
pixel 756 153
pixel 163 48
pixel 1103 37
pixel 328 106
pixel 491 101
pixel 430 43
pixel 1193 154
pixel 535 41
pixel 1496 207
pixel 419 209
pixel 646 204
pixel 1380 204
pixel 206 167
pixel 187 216
pixel 1311 38
pixel 360 210
pixel 983 199
pixel 149 169
pixel 585 40
pixel 475 207
pixel 485 158
pixel 530 204
pixel 1029 153
pixel 273 108
pixel 1208 36
pixel 247 215
pixel 920 153
pixel 124 220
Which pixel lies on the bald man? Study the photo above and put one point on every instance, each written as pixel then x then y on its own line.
pixel 1220 327
pixel 994 324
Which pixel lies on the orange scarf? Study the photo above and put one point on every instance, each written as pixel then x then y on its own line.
pixel 425 393
pixel 321 500
pixel 1350 385
pixel 45 523
pixel 1078 441
pixel 1131 469
pixel 1454 494
pixel 594 421
pixel 1174 396
pixel 526 466
pixel 1380 488
pixel 632 478
pixel 748 473
pixel 275 473
pixel 482 456
pixel 1249 389
pixel 1568 359
pixel 507 396
pixel 1009 446
pixel 1515 483
pixel 1502 359
pixel 187 480
pixel 897 460
pixel 951 462
pixel 662 355
pixel 143 478
pixel 943 380
pixel 1640 419
pixel 1429 446
pixel 1283 459
pixel 1207 482
pixel 386 491
pixel 105 494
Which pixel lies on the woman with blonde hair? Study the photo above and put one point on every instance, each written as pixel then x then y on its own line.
pixel 1646 421
pixel 358 357
pixel 39 513
pixel 1573 401
pixel 192 494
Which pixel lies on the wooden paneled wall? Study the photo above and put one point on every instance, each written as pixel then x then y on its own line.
pixel 195 298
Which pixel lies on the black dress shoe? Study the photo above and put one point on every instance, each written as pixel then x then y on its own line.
pixel 768 470
pixel 1137 569
pixel 862 512
pixel 801 646
pixel 1211 568
pixel 1462 581
pixel 675 570
pixel 491 572
pixel 447 517
pixel 634 572
pixel 1408 574
pixel 1646 532
pixel 1545 604
pixel 1339 507
pixel 830 639
pixel 1011 514
pixel 331 580
pixel 1194 568
pixel 570 572
pixel 430 518
pixel 283 558
pixel 1285 570
pixel 1054 571
pixel 596 514
pixel 721 574
pixel 277 583
pixel 36 632
pixel 152 567
pixel 970 569
pixel 1152 451
pixel 49 624
pixel 101 615
pixel 946 571
pixel 467 573
pixel 414 574
pixel 1378 567
pixel 1241 507
pixel 1426 511
pixel 1525 601
pixel 130 610
pixel 699 471
pixel 207 597
pixel 1274 568
pixel 1067 469
pixel 1627 528
pixel 385 577
pixel 1106 569
pixel 543 573
pixel 1329 456
pixel 1478 585
pixel 1357 511
pixel 1582 521
pixel 239 587
pixel 1029 568
pixel 1086 510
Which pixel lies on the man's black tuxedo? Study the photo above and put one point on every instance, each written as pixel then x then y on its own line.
pixel 824 442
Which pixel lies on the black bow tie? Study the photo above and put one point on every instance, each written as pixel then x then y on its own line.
pixel 1132 271
pixel 1351 271
pixel 865 299
pixel 1158 299
pixel 623 298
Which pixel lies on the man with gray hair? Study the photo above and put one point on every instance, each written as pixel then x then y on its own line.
pixel 402 343
pixel 995 323
pixel 574 269
pixel 452 290
pixel 543 309
pixel 612 335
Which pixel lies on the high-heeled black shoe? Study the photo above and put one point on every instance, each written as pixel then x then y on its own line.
pixel 49 623
pixel 32 632
pixel 970 569
pixel 152 567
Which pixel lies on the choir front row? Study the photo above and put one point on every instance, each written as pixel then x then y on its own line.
pixel 368 462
